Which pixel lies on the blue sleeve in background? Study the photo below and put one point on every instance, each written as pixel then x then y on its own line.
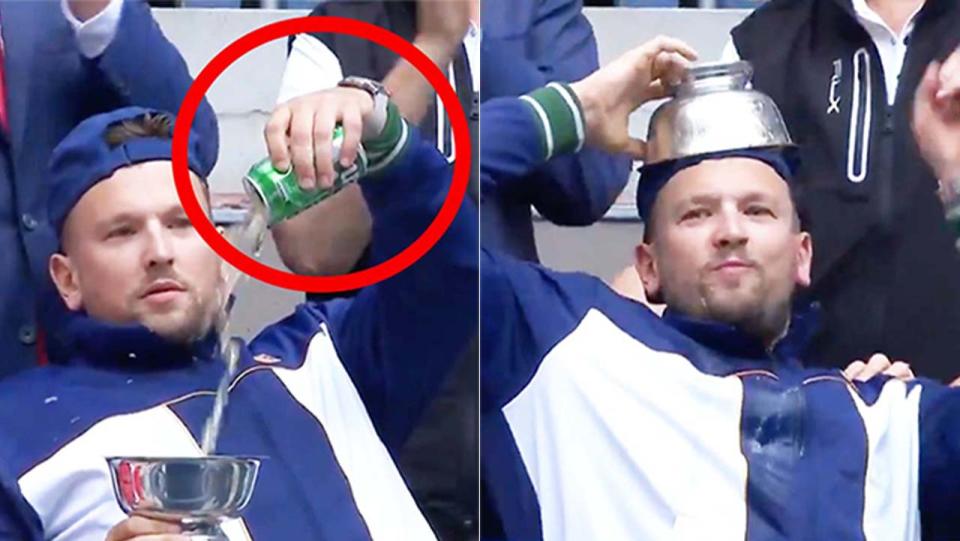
pixel 509 144
pixel 146 69
pixel 573 189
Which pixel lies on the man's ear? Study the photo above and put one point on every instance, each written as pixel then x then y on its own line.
pixel 64 276
pixel 648 271
pixel 804 259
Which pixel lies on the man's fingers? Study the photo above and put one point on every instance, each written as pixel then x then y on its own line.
pixel 876 365
pixel 856 367
pixel 144 529
pixel 669 67
pixel 948 84
pixel 900 370
pixel 275 134
pixel 324 122
pixel 656 90
pixel 352 123
pixel 302 147
pixel 947 98
pixel 878 362
pixel 668 44
pixel 948 77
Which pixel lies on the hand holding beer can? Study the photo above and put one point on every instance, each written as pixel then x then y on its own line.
pixel 281 194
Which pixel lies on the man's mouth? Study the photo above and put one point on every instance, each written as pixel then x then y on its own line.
pixel 731 267
pixel 732 263
pixel 163 290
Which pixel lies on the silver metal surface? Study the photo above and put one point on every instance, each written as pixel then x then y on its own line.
pixel 713 110
pixel 199 492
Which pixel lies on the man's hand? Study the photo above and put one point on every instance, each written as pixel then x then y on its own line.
pixel 145 529
pixel 878 364
pixel 300 133
pixel 610 94
pixel 85 10
pixel 441 25
pixel 936 118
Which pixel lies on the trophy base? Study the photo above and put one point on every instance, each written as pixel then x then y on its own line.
pixel 205 532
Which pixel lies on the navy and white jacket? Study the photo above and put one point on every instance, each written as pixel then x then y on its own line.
pixel 603 421
pixel 324 395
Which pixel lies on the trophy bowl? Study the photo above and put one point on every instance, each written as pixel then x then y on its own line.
pixel 713 109
pixel 197 492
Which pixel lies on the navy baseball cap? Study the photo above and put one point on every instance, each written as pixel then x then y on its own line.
pixel 784 160
pixel 84 158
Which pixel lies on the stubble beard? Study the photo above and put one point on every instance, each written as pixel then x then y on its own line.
pixel 748 307
pixel 184 325
pixel 754 313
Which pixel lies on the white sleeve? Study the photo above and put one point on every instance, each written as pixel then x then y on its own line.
pixel 730 53
pixel 95 34
pixel 311 66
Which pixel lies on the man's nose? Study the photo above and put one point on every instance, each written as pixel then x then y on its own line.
pixel 731 230
pixel 158 249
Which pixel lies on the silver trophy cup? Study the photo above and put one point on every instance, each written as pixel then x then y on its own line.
pixel 199 492
pixel 713 109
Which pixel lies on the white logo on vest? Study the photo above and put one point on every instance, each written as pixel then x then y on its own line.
pixel 834 105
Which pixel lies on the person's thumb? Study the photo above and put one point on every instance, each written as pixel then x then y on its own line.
pixel 655 91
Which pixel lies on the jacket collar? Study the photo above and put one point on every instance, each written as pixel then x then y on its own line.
pixel 132 347
pixel 733 343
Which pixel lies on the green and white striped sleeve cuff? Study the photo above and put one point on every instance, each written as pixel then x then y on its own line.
pixel 383 149
pixel 560 117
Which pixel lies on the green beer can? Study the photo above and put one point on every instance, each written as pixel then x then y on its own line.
pixel 283 198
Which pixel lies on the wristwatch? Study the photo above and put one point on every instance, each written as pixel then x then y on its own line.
pixel 373 125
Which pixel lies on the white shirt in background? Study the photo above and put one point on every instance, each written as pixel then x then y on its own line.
pixel 95 34
pixel 312 66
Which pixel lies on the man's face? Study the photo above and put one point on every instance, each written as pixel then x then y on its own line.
pixel 726 246
pixel 131 255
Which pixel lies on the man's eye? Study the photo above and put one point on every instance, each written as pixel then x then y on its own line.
pixel 180 223
pixel 695 214
pixel 759 210
pixel 121 231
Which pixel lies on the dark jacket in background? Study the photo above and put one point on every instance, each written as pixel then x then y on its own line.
pixel 884 263
pixel 50 88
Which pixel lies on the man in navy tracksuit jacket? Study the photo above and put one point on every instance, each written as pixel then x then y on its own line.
pixel 324 395
pixel 603 421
